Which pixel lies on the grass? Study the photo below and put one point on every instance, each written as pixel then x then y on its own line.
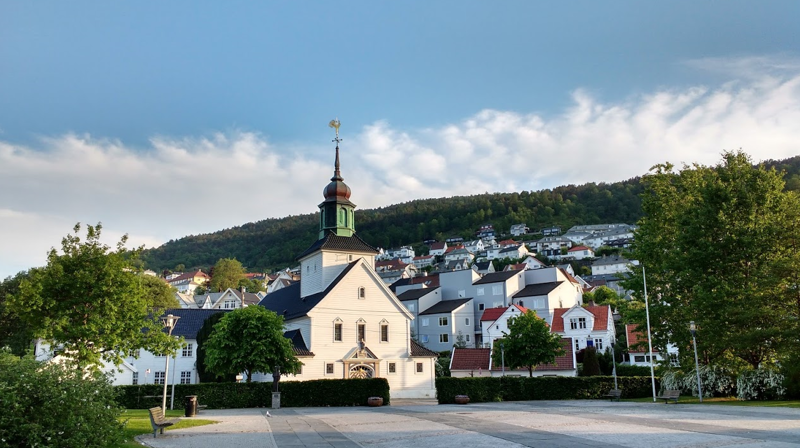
pixel 138 422
pixel 728 401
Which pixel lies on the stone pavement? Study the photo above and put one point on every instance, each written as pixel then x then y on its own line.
pixel 585 423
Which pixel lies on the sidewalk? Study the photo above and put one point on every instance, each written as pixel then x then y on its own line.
pixel 585 423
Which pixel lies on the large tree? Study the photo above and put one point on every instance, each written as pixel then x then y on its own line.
pixel 528 343
pixel 89 302
pixel 226 274
pixel 14 332
pixel 250 340
pixel 158 293
pixel 721 247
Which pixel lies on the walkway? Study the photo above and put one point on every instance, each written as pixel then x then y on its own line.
pixel 515 424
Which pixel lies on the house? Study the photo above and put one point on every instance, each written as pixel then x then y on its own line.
pixel 587 326
pixel 551 231
pixel 474 246
pixel 438 248
pixel 507 243
pixel 516 267
pixel 227 300
pixel 639 350
pixel 599 239
pixel 344 314
pixel 547 289
pixel 513 252
pixel 442 323
pixel 477 362
pixel 532 262
pixel 483 267
pixel 454 240
pixel 550 246
pixel 188 282
pixel 459 254
pixel 404 253
pixel 580 252
pixel 453 265
pixel 494 290
pixel 418 299
pixel 280 280
pixel 486 232
pixel 494 322
pixel 577 236
pixel 519 229
pixel 614 264
pixel 423 261
pixel 493 251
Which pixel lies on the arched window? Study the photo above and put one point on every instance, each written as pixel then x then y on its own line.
pixel 337 330
pixel 361 330
pixel 362 293
pixel 384 330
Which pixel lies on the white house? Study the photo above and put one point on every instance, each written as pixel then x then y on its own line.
pixel 580 252
pixel 494 322
pixel 612 265
pixel 519 229
pixel 587 326
pixel 639 351
pixel 513 252
pixel 437 248
pixel 441 323
pixel 423 261
pixel 474 246
pixel 349 320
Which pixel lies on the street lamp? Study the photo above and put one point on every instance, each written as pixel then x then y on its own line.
pixel 614 364
pixel 169 322
pixel 693 329
pixel 503 358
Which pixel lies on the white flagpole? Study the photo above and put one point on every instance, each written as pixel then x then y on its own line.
pixel 649 338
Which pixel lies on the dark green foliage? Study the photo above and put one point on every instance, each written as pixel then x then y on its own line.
pixel 591 366
pixel 314 393
pixel 14 333
pixel 628 370
pixel 790 369
pixel 202 337
pixel 538 388
pixel 44 404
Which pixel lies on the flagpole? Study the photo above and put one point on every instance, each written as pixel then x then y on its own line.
pixel 649 337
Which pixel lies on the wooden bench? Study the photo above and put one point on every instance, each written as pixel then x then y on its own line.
pixel 158 421
pixel 614 394
pixel 670 394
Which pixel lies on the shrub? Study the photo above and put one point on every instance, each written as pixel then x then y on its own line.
pixel 790 368
pixel 760 384
pixel 591 366
pixel 349 392
pixel 45 404
pixel 629 370
pixel 717 381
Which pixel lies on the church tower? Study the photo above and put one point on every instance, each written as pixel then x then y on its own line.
pixel 338 244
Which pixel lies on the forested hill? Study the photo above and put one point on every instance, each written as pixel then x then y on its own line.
pixel 274 243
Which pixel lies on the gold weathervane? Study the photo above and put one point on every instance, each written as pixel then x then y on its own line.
pixel 335 124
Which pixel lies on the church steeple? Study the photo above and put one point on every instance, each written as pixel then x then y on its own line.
pixel 337 212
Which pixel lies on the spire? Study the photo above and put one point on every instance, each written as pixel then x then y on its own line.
pixel 337 175
pixel 336 212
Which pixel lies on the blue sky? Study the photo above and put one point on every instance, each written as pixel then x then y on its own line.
pixel 163 119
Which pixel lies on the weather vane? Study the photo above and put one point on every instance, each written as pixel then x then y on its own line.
pixel 335 124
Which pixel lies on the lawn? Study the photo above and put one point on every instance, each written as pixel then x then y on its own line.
pixel 139 423
pixel 728 401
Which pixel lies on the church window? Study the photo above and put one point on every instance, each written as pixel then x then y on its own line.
pixel 361 333
pixel 362 292
pixel 337 330
pixel 392 367
pixel 419 367
pixel 329 368
pixel 384 332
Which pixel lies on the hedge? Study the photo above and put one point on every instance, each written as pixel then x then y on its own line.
pixel 539 388
pixel 314 393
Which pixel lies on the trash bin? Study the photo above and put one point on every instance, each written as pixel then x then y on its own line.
pixel 190 405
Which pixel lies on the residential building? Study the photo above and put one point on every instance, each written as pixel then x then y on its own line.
pixel 418 299
pixel 423 261
pixel 477 362
pixel 550 246
pixel 438 248
pixel 443 322
pixel 639 350
pixel 494 322
pixel 519 229
pixel 613 264
pixel 474 246
pixel 551 231
pixel 483 267
pixel 513 252
pixel 580 253
pixel 590 326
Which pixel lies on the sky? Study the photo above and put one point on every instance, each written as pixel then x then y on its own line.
pixel 168 119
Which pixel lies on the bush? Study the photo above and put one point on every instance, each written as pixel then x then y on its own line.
pixel 790 368
pixel 760 384
pixel 314 393
pixel 629 370
pixel 591 365
pixel 514 388
pixel 45 404
pixel 716 381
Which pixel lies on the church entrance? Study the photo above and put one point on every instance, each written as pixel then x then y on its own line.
pixel 362 371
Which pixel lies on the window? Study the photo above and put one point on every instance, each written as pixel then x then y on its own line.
pixel 300 370
pixel 134 353
pixel 444 338
pixel 186 377
pixel 159 378
pixel 424 338
pixel 598 343
pixel 229 304
pixel 362 332
pixel 462 293
pixel 467 338
pixel 419 367
pixel 497 290
pixel 442 321
pixel 392 367
pixel 135 378
pixel 384 332
pixel 187 350
pixel 481 291
pixel 673 359
pixel 581 322
pixel 425 321
pixel 577 346
pixel 329 368
pixel 481 307
pixel 521 303
pixel 466 321
pixel 411 307
pixel 362 293
pixel 337 330
pixel 638 358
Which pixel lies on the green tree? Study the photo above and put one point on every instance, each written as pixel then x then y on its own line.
pixel 226 274
pixel 461 342
pixel 528 343
pixel 14 332
pixel 202 336
pixel 250 285
pixel 200 290
pixel 591 365
pixel 250 340
pixel 91 303
pixel 158 293
pixel 721 247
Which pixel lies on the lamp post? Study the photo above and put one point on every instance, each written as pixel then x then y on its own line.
pixel 649 336
pixel 503 358
pixel 693 329
pixel 169 322
pixel 614 364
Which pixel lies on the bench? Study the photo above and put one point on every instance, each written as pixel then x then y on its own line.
pixel 670 394
pixel 614 394
pixel 158 421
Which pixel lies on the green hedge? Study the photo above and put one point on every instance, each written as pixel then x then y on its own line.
pixel 539 388
pixel 350 392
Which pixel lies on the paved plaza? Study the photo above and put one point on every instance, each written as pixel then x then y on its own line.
pixel 552 424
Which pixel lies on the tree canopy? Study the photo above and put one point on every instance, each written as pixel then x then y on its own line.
pixel 14 332
pixel 227 273
pixel 721 247
pixel 158 293
pixel 90 302
pixel 249 340
pixel 528 343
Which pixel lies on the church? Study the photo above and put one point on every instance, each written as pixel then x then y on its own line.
pixel 344 321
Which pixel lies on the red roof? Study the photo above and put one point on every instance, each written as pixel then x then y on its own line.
pixel 394 264
pixel 516 267
pixel 452 248
pixel 437 246
pixel 189 275
pixel 423 257
pixel 505 243
pixel 491 314
pixel 470 359
pixel 563 362
pixel 600 313
pixel 637 342
pixel 578 248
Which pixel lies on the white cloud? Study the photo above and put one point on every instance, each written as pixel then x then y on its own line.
pixel 182 186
